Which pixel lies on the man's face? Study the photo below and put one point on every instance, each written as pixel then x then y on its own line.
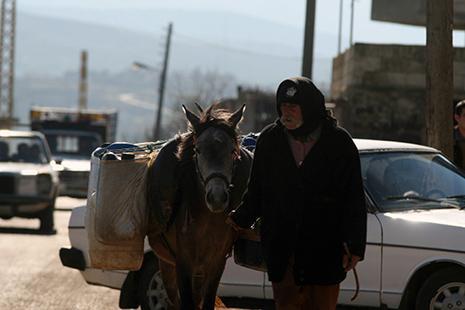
pixel 291 115
pixel 460 119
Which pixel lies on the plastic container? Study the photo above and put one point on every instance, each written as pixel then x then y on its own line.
pixel 248 250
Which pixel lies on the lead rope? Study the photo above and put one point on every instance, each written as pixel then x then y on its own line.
pixel 237 157
pixel 357 283
pixel 168 246
pixel 235 237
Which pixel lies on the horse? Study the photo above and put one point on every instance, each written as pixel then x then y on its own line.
pixel 193 185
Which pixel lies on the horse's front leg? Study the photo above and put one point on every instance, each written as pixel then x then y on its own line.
pixel 168 274
pixel 212 281
pixel 184 279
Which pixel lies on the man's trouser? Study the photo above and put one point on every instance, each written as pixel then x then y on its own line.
pixel 289 296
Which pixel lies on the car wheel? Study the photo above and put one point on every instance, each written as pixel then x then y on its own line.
pixel 152 293
pixel 443 290
pixel 47 223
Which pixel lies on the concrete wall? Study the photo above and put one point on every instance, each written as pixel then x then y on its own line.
pixel 412 12
pixel 260 108
pixel 379 90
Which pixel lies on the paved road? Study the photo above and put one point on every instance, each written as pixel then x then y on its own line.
pixel 32 276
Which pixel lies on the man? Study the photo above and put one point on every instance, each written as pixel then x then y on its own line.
pixel 459 135
pixel 306 186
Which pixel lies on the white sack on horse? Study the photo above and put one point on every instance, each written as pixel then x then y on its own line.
pixel 116 217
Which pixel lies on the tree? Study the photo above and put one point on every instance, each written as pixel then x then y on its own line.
pixel 202 86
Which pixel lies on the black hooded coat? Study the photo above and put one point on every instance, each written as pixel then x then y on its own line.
pixel 308 211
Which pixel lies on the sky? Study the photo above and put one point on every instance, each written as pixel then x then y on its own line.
pixel 292 14
pixel 286 12
pixel 289 12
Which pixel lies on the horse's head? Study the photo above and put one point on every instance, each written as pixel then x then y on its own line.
pixel 216 148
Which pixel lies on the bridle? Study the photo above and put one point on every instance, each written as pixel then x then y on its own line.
pixel 216 175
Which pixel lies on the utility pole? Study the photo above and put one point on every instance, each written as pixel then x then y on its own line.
pixel 307 63
pixel 351 39
pixel 339 37
pixel 83 82
pixel 439 76
pixel 161 89
pixel 7 60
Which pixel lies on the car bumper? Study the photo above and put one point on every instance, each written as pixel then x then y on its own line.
pixel 74 183
pixel 73 258
pixel 17 200
pixel 23 205
pixel 77 193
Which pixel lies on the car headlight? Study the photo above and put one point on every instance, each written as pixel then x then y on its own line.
pixel 44 184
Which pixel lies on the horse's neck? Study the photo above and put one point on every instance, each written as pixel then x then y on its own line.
pixel 240 177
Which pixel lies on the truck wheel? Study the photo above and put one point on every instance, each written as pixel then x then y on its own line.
pixel 444 289
pixel 152 293
pixel 47 224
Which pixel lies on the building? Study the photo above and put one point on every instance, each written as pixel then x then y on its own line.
pixel 260 108
pixel 379 90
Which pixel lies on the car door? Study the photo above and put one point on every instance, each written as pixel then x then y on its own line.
pixel 368 270
pixel 238 281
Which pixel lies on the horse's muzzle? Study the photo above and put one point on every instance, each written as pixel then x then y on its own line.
pixel 217 200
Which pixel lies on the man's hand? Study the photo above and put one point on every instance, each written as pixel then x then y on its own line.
pixel 233 224
pixel 349 264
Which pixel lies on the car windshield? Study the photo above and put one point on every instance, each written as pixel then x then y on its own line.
pixel 22 149
pixel 409 181
pixel 76 144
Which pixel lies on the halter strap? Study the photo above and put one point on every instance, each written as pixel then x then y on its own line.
pixel 215 175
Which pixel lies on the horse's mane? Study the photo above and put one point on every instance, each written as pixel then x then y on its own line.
pixel 212 117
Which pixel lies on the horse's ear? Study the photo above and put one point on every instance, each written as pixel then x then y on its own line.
pixel 198 107
pixel 236 117
pixel 210 109
pixel 193 119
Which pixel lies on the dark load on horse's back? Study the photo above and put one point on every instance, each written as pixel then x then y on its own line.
pixel 196 180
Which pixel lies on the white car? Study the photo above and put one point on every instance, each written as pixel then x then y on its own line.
pixel 415 255
pixel 28 180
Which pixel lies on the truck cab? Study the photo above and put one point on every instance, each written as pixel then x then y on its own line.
pixel 71 149
pixel 72 135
